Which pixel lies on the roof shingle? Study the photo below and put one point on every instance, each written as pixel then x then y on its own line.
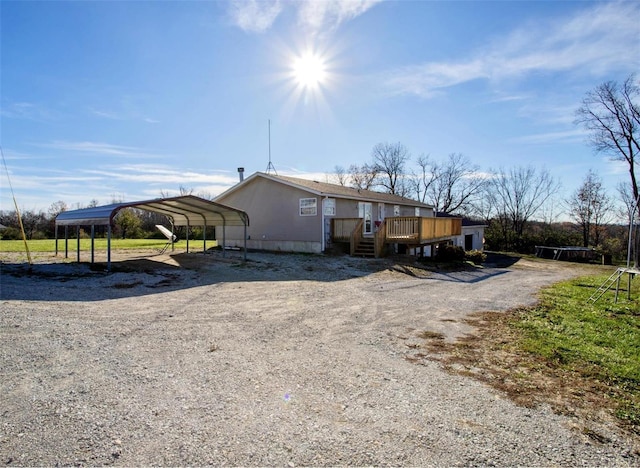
pixel 340 191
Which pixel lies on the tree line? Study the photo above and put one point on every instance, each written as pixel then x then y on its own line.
pixel 511 200
pixel 519 205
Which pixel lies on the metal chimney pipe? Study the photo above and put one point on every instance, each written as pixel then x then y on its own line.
pixel 241 173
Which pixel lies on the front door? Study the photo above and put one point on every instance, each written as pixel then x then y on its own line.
pixel 366 212
pixel 468 242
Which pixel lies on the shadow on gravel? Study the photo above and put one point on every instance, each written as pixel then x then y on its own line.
pixel 141 276
pixel 500 260
pixel 467 276
pixel 73 281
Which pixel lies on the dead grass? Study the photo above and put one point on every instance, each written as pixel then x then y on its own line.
pixel 491 355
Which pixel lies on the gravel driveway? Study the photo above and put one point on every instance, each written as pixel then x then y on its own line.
pixel 285 360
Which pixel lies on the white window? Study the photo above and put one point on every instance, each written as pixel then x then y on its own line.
pixel 329 206
pixel 417 210
pixel 308 206
pixel 396 210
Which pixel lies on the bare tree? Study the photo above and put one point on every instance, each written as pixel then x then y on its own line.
pixel 56 208
pixel 628 212
pixel 456 183
pixel 625 195
pixel 517 195
pixel 590 207
pixel 341 175
pixel 611 114
pixel 419 183
pixel 185 190
pixel 363 177
pixel 389 160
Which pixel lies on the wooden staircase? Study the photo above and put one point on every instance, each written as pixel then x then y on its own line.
pixel 365 247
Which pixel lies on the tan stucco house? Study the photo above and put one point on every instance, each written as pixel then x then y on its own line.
pixel 299 215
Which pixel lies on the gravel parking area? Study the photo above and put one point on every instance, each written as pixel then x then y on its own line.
pixel 285 360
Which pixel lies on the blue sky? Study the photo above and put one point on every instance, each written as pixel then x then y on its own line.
pixel 128 100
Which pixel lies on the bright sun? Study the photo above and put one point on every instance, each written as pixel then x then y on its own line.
pixel 309 70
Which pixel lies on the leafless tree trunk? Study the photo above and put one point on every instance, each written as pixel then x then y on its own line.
pixel 629 212
pixel 389 160
pixel 456 183
pixel 590 207
pixel 341 176
pixel 611 114
pixel 420 183
pixel 517 195
pixel 363 177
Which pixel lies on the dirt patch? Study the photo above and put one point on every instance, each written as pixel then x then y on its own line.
pixel 489 354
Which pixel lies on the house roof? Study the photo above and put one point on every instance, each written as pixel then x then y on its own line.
pixel 466 222
pixel 185 210
pixel 325 189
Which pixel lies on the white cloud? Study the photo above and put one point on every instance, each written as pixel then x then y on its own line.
pixel 26 111
pixel 255 15
pixel 92 147
pixel 597 39
pixel 258 16
pixel 318 15
pixel 128 182
pixel 161 175
pixel 551 137
pixel 105 114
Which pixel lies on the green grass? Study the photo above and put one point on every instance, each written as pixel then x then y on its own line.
pixel 600 341
pixel 49 245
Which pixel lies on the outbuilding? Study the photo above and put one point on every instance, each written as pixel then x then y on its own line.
pixel 187 210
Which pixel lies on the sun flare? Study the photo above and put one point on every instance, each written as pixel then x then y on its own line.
pixel 309 70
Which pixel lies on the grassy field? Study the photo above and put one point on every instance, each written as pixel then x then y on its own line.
pixel 49 245
pixel 600 342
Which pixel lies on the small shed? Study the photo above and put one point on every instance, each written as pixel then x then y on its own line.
pixel 187 210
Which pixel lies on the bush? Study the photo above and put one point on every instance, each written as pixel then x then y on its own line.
pixel 10 233
pixel 475 256
pixel 450 253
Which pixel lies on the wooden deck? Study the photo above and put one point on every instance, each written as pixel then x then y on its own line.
pixel 421 231
pixel 409 230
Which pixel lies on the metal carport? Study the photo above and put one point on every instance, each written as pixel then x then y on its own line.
pixel 186 210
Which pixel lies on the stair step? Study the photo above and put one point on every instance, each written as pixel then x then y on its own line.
pixel 365 248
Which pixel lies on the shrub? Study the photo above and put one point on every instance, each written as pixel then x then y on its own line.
pixel 475 256
pixel 450 253
pixel 11 233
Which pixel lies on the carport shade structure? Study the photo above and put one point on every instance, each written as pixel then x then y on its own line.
pixel 186 210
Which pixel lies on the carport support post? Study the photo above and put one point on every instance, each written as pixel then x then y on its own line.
pixel 224 239
pixel 108 247
pixel 204 237
pixel 78 242
pixel 56 239
pixel 93 236
pixel 66 242
pixel 245 241
pixel 187 236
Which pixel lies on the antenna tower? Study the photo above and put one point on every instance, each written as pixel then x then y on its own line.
pixel 270 166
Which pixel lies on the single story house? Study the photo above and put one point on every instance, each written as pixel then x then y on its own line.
pixel 299 215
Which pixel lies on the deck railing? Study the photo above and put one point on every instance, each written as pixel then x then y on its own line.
pixel 418 230
pixel 355 237
pixel 342 228
pixel 379 239
pixel 401 229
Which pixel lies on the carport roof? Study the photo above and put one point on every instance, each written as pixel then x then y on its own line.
pixel 184 210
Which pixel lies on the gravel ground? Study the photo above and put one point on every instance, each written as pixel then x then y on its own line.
pixel 286 360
